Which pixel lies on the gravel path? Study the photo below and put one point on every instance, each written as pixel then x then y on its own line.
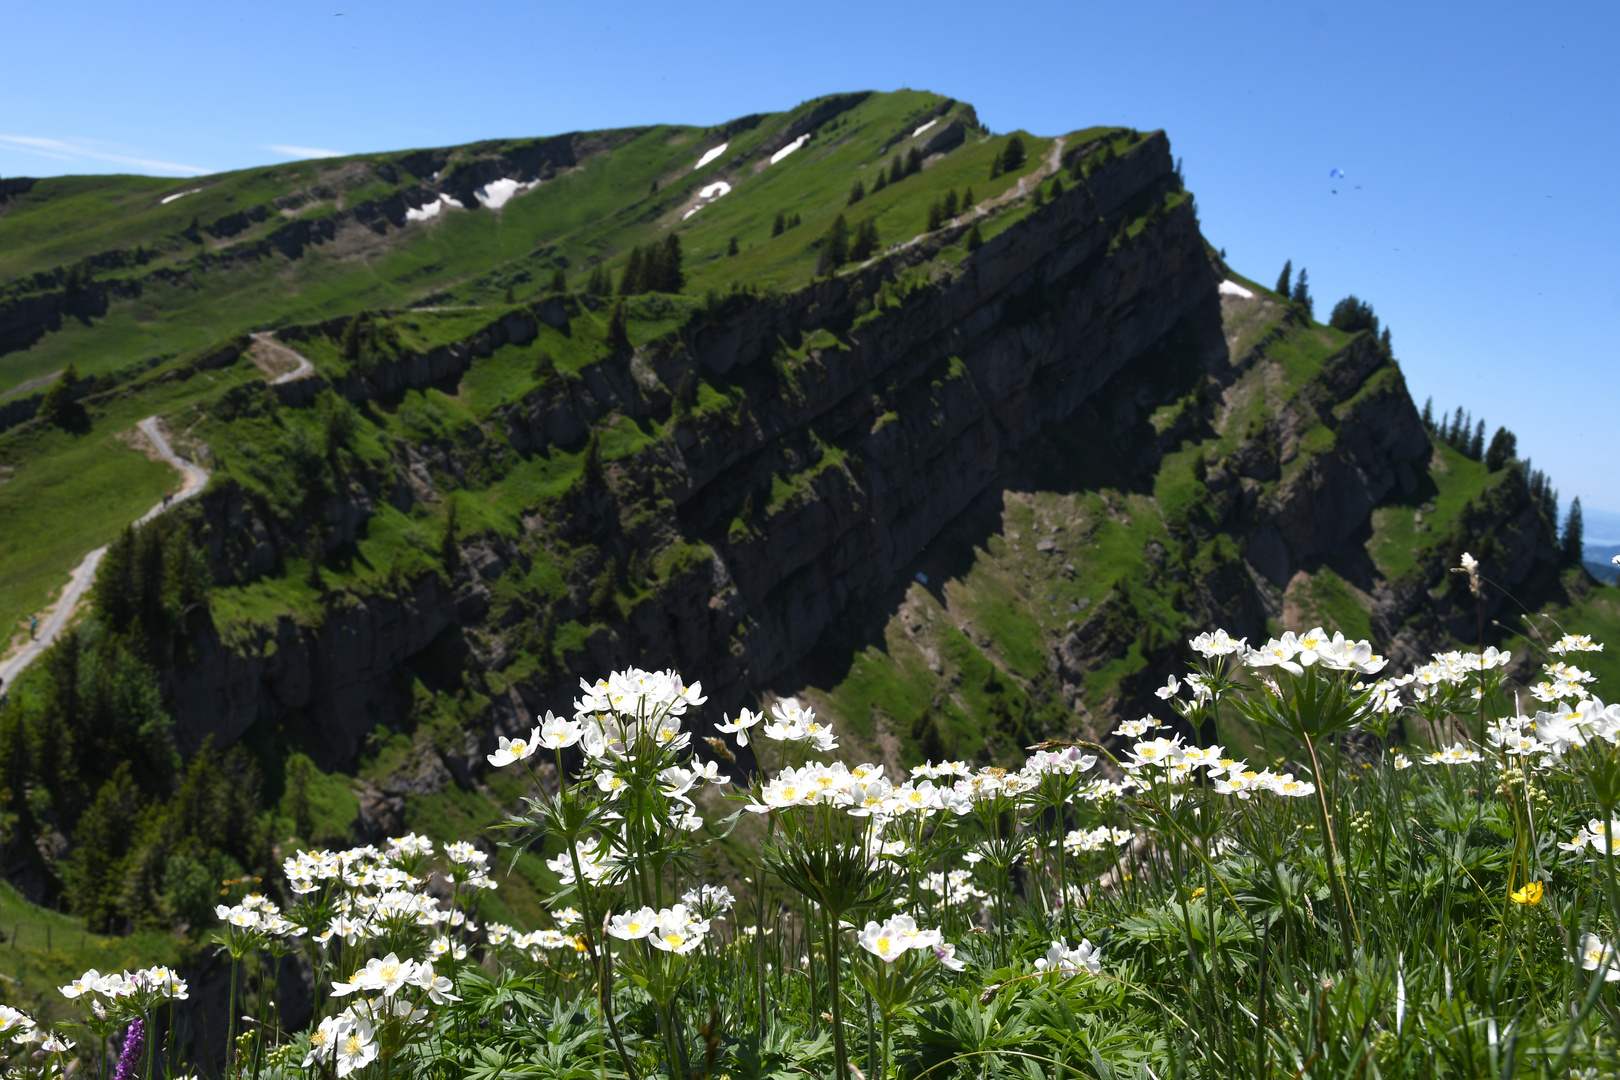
pixel 302 367
pixel 193 479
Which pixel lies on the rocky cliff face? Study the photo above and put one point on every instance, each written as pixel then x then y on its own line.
pixel 892 429
pixel 908 401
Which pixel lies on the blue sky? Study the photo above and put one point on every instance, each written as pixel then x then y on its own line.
pixel 1478 140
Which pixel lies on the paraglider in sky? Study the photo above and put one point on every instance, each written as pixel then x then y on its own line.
pixel 1335 174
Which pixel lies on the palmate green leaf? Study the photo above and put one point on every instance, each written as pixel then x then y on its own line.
pixel 841 878
pixel 783 1055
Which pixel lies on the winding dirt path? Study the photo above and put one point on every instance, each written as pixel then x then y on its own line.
pixel 302 368
pixel 193 478
pixel 1049 167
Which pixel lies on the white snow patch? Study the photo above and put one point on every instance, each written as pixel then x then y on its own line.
pixel 422 213
pixel 789 148
pixel 177 195
pixel 707 195
pixel 925 127
pixel 431 210
pixel 1232 288
pixel 710 155
pixel 497 193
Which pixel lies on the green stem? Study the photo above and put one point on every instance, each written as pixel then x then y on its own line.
pixel 1336 882
pixel 840 1052
pixel 230 1020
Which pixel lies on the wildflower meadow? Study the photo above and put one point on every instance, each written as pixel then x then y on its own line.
pixel 1397 877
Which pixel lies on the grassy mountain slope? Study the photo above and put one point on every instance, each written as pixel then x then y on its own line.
pixel 971 492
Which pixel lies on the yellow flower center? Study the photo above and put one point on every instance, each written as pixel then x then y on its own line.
pixel 883 944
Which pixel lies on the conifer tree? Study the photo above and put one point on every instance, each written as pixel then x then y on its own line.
pixel 950 204
pixel 935 215
pixel 597 284
pixel 913 161
pixel 897 171
pixel 1352 314
pixel 1504 447
pixel 315 553
pixel 1302 294
pixel 1285 286
pixel 630 282
pixel 1574 538
pixel 731 248
pixel 618 331
pixel 779 225
pixel 1428 415
pixel 834 247
pixel 509 297
pixel 1383 343
pixel 671 277
pixel 1012 155
pixel 881 182
pixel 1476 445
pixel 591 467
pixel 1039 198
pixel 350 342
pixel 794 221
pixel 449 548
pixel 967 200
pixel 1057 186
pixel 975 240
pixel 59 408
pixel 856 193
pixel 995 165
pixel 1454 432
pixel 865 242
pixel 559 281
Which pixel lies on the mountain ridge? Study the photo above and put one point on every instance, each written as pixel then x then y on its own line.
pixel 965 492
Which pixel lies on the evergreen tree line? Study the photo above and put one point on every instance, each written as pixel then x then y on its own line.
pixel 839 246
pixel 1010 158
pixel 1300 291
pixel 655 268
pixel 86 749
pixel 946 209
pixel 59 407
pixel 368 341
pixel 1353 315
pixel 899 169
pixel 1464 434
pixel 784 222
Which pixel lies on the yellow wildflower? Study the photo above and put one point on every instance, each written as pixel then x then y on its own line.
pixel 1530 894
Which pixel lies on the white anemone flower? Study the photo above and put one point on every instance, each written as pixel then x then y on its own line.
pixel 1596 952
pixel 356 1048
pixel 679 931
pixel 84 984
pixel 739 727
pixel 1278 652
pixel 511 750
pixel 558 733
pixel 890 939
pixel 633 925
pixel 1062 960
pixel 1219 643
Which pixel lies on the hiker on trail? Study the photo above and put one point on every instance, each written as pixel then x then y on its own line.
pixel 167 495
pixel 33 628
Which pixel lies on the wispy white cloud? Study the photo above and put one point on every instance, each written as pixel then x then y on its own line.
pixel 82 149
pixel 302 151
